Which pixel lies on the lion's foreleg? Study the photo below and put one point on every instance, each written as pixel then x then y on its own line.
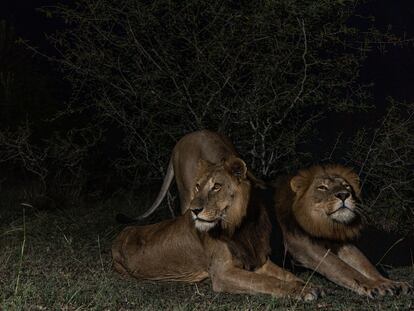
pixel 271 269
pixel 323 261
pixel 356 259
pixel 236 280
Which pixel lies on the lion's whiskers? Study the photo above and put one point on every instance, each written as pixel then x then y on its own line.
pixel 225 221
pixel 358 209
pixel 223 218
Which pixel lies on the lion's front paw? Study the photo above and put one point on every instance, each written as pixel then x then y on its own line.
pixel 398 287
pixel 384 287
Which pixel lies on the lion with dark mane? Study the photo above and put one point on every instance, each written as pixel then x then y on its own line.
pixel 319 214
pixel 223 235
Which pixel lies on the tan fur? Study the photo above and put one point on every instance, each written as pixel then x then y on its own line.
pixel 223 236
pixel 205 145
pixel 318 212
pixel 229 204
pixel 323 227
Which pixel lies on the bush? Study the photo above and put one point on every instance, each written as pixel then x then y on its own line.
pixel 265 73
pixel 384 157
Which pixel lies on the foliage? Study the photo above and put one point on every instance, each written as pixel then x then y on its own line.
pixel 144 73
pixel 384 157
pixel 263 73
pixel 66 265
pixel 24 91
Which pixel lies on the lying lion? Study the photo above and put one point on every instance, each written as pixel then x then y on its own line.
pixel 319 215
pixel 223 236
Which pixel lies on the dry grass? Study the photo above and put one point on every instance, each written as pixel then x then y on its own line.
pixel 60 260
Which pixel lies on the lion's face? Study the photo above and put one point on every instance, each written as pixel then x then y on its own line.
pixel 220 195
pixel 333 197
pixel 326 203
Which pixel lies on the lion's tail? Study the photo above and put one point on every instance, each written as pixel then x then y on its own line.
pixel 164 188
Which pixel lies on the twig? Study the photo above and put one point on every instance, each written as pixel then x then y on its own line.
pixel 338 138
pixel 16 288
pixel 310 277
pixel 305 73
pixel 389 249
pixel 370 147
pixel 100 255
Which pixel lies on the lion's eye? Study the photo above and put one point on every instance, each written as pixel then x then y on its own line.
pixel 347 187
pixel 216 187
pixel 197 187
pixel 322 188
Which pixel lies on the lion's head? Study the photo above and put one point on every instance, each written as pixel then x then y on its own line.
pixel 326 201
pixel 221 195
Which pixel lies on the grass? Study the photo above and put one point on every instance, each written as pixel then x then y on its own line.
pixel 60 260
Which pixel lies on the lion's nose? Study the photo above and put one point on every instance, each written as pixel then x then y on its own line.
pixel 196 210
pixel 343 195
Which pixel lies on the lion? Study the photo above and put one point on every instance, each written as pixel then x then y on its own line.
pixel 223 235
pixel 319 213
pixel 184 164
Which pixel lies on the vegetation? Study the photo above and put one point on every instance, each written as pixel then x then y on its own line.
pixel 268 74
pixel 60 260
pixel 275 76
pixel 263 73
pixel 272 75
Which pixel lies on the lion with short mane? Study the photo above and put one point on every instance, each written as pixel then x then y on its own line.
pixel 224 236
pixel 319 214
pixel 184 162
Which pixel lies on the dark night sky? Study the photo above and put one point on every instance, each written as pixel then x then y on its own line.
pixel 27 21
pixel 392 72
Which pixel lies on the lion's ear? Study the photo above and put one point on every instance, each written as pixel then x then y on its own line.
pixel 237 167
pixel 297 183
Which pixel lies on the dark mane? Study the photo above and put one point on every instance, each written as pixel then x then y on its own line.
pixel 249 244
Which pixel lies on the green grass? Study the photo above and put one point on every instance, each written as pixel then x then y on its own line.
pixel 60 260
